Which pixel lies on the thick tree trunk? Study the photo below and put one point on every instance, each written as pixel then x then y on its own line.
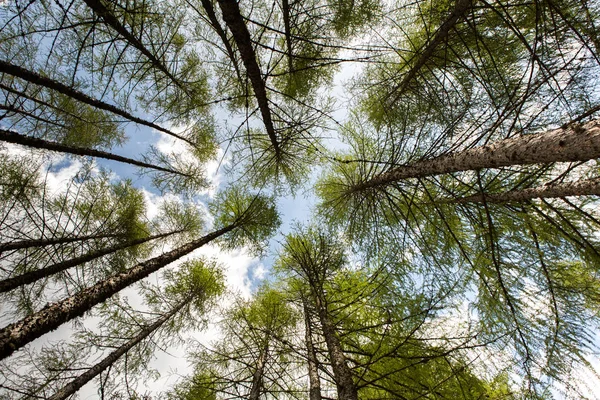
pixel 25 244
pixel 23 140
pixel 40 80
pixel 90 374
pixel 257 377
pixel 237 26
pixel 214 21
pixel 18 334
pixel 460 9
pixel 343 376
pixel 586 187
pixel 32 276
pixel 572 143
pixel 314 392
pixel 104 13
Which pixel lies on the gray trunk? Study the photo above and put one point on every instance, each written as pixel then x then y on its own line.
pixel 32 276
pixel 18 334
pixel 568 144
pixel 584 187
pixel 257 377
pixel 90 374
pixel 313 370
pixel 343 376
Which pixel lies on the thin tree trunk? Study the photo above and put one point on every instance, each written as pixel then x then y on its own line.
pixel 18 334
pixel 32 276
pixel 572 143
pixel 343 376
pixel 314 392
pixel 460 9
pixel 257 377
pixel 40 80
pixel 23 140
pixel 104 13
pixel 285 7
pixel 24 244
pixel 214 21
pixel 90 374
pixel 237 26
pixel 586 187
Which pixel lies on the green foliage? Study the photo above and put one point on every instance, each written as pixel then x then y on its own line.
pixel 254 216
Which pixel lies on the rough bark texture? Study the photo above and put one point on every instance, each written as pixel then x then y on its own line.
pixel 18 334
pixel 584 187
pixel 257 377
pixel 104 13
pixel 237 26
pixel 573 143
pixel 25 244
pixel 90 374
pixel 38 79
pixel 32 276
pixel 343 376
pixel 285 8
pixel 460 9
pixel 314 392
pixel 23 140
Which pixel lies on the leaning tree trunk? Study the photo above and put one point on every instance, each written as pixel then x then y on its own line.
pixel 460 9
pixel 32 276
pixel 257 377
pixel 90 374
pixel 233 18
pixel 586 187
pixel 343 376
pixel 314 392
pixel 572 143
pixel 24 140
pixel 103 12
pixel 25 244
pixel 37 79
pixel 18 334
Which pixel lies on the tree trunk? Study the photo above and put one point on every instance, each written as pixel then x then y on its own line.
pixel 343 376
pixel 40 80
pixel 23 140
pixel 237 26
pixel 285 8
pixel 314 392
pixel 586 187
pixel 572 143
pixel 257 377
pixel 90 374
pixel 18 334
pixel 214 21
pixel 25 244
pixel 104 13
pixel 32 276
pixel 460 8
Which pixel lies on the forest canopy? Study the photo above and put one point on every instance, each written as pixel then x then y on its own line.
pixel 299 199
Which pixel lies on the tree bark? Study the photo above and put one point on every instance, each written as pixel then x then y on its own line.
pixel 18 334
pixel 25 244
pixel 237 26
pixel 460 9
pixel 343 376
pixel 76 384
pixel 32 276
pixel 257 377
pixel 586 187
pixel 314 392
pixel 572 143
pixel 40 80
pixel 214 21
pixel 24 140
pixel 285 8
